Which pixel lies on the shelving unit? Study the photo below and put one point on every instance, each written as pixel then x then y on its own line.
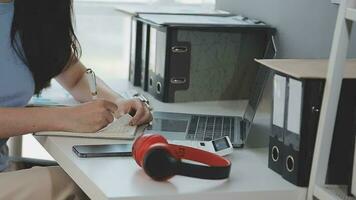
pixel 317 187
pixel 332 192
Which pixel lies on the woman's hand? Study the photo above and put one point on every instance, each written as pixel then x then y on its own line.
pixel 140 112
pixel 88 117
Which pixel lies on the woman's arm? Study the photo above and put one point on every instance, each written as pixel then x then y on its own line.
pixel 74 80
pixel 18 121
pixel 88 117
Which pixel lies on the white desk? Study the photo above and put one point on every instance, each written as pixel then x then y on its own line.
pixel 121 178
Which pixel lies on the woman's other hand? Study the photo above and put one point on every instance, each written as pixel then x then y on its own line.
pixel 138 110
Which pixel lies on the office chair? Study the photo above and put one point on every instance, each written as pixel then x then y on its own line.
pixel 15 156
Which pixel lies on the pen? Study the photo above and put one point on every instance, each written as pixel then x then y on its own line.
pixel 92 83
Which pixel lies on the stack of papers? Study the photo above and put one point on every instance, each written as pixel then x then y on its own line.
pixel 200 20
pixel 135 9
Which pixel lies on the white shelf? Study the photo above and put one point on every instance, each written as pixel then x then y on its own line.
pixel 332 192
pixel 323 143
pixel 351 14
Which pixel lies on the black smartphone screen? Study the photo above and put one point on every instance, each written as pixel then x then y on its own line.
pixel 106 150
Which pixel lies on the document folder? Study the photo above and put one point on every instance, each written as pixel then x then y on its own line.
pixel 140 33
pixel 305 81
pixel 204 58
pixel 276 138
pixel 145 52
pixel 304 102
pixel 135 52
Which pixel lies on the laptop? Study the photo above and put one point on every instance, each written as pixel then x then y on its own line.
pixel 186 126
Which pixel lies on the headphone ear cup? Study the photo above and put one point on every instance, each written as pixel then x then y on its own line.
pixel 159 164
pixel 136 146
pixel 143 144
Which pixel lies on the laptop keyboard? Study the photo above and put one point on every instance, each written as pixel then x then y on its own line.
pixel 210 127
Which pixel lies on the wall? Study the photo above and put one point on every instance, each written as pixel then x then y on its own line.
pixel 305 27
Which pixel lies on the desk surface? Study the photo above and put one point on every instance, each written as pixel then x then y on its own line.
pixel 120 178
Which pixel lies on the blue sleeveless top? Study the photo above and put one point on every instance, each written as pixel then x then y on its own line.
pixel 16 81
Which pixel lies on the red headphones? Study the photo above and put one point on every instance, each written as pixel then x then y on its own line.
pixel 161 160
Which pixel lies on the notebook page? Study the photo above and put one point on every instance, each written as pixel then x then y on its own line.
pixel 120 125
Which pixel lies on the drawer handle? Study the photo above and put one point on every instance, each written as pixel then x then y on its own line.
pixel 290 163
pixel 179 49
pixel 180 80
pixel 275 154
pixel 158 88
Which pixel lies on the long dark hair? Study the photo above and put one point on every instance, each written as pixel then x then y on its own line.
pixel 42 35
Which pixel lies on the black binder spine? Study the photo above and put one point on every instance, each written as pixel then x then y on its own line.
pixel 275 154
pixel 159 43
pixel 276 147
pixel 299 148
pixel 145 56
pixel 135 52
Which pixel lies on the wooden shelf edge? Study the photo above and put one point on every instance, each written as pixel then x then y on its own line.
pixel 351 14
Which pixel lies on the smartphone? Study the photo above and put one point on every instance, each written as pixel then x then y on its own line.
pixel 105 150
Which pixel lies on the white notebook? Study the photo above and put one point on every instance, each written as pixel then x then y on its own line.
pixel 118 129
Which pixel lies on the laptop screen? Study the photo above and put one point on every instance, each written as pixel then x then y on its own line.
pixel 263 74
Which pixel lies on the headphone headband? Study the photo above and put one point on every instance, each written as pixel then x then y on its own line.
pixel 198 155
pixel 205 172
pixel 162 160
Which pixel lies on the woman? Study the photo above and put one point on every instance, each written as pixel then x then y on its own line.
pixel 37 43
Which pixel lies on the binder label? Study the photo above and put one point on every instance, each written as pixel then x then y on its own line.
pixel 279 94
pixel 294 106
